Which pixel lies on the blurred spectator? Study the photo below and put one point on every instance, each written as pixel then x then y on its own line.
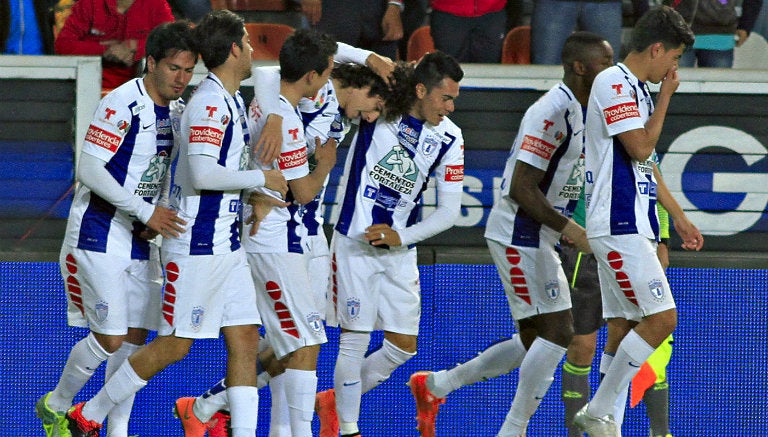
pixel 116 30
pixel 761 24
pixel 720 26
pixel 374 25
pixel 470 31
pixel 414 16
pixel 553 21
pixel 192 10
pixel 25 27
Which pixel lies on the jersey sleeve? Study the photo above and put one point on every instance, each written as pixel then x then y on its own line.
pixel 293 160
pixel 543 130
pixel 616 100
pixel 266 93
pixel 449 173
pixel 208 119
pixel 108 128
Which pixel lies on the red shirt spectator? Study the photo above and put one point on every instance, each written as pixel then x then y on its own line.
pixel 464 8
pixel 116 33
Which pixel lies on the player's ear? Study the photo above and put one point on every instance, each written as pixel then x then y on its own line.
pixel 579 68
pixel 421 90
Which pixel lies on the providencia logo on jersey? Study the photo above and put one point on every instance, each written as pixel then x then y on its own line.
pixel 396 170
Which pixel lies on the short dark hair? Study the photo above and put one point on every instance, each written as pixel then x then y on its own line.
pixel 360 76
pixel 577 46
pixel 304 51
pixel 168 39
pixel 436 66
pixel 661 24
pixel 215 34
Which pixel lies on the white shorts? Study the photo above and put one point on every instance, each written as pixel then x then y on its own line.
pixel 632 282
pixel 286 302
pixel 110 294
pixel 374 288
pixel 206 292
pixel 319 263
pixel 533 279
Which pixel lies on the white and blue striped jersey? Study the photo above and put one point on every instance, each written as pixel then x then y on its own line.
pixel 551 139
pixel 214 124
pixel 620 193
pixel 281 230
pixel 387 170
pixel 134 137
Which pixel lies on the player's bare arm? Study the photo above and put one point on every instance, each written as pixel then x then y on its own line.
pixel 524 189
pixel 306 188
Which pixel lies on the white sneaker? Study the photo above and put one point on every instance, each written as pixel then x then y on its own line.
pixel 595 426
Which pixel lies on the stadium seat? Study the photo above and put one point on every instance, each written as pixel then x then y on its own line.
pixel 267 39
pixel 250 5
pixel 419 43
pixel 517 46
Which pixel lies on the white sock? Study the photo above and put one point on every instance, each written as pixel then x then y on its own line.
pixel 118 417
pixel 280 419
pixel 536 375
pixel 378 366
pixel 620 407
pixel 498 359
pixel 605 364
pixel 347 378
pixel 123 383
pixel 213 400
pixel 632 353
pixel 85 357
pixel 300 390
pixel 244 409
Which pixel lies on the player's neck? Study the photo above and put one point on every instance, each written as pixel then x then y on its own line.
pixel 229 78
pixel 638 63
pixel 292 91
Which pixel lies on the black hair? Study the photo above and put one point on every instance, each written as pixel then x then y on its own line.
pixel 577 47
pixel 215 34
pixel 402 83
pixel 661 24
pixel 360 76
pixel 436 66
pixel 304 51
pixel 168 39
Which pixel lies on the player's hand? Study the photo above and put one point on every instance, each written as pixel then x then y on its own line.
pixel 381 234
pixel 271 139
pixel 312 9
pixel 692 238
pixel 391 24
pixel 381 65
pixel 166 222
pixel 275 181
pixel 325 154
pixel 261 205
pixel 576 234
pixel 671 82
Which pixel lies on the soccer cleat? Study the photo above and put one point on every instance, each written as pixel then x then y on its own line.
pixel 325 407
pixel 595 426
pixel 427 404
pixel 78 425
pixel 191 425
pixel 54 422
pixel 218 426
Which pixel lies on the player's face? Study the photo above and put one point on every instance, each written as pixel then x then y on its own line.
pixel 361 104
pixel 664 60
pixel 434 105
pixel 170 76
pixel 599 58
pixel 317 81
pixel 245 59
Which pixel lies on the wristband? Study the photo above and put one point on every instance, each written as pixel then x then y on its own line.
pixel 398 3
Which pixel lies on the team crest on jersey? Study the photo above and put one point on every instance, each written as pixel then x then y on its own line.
pixel 196 318
pixel 430 145
pixel 102 311
pixel 353 308
pixel 315 322
pixel 396 170
pixel 656 287
pixel 553 289
pixel 225 119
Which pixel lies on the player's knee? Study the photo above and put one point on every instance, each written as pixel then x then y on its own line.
pixel 109 343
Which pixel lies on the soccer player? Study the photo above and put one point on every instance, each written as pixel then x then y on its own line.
pixel 623 126
pixel 375 279
pixel 111 271
pixel 542 180
pixel 208 286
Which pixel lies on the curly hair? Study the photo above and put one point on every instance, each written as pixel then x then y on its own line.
pixel 402 85
pixel 360 76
